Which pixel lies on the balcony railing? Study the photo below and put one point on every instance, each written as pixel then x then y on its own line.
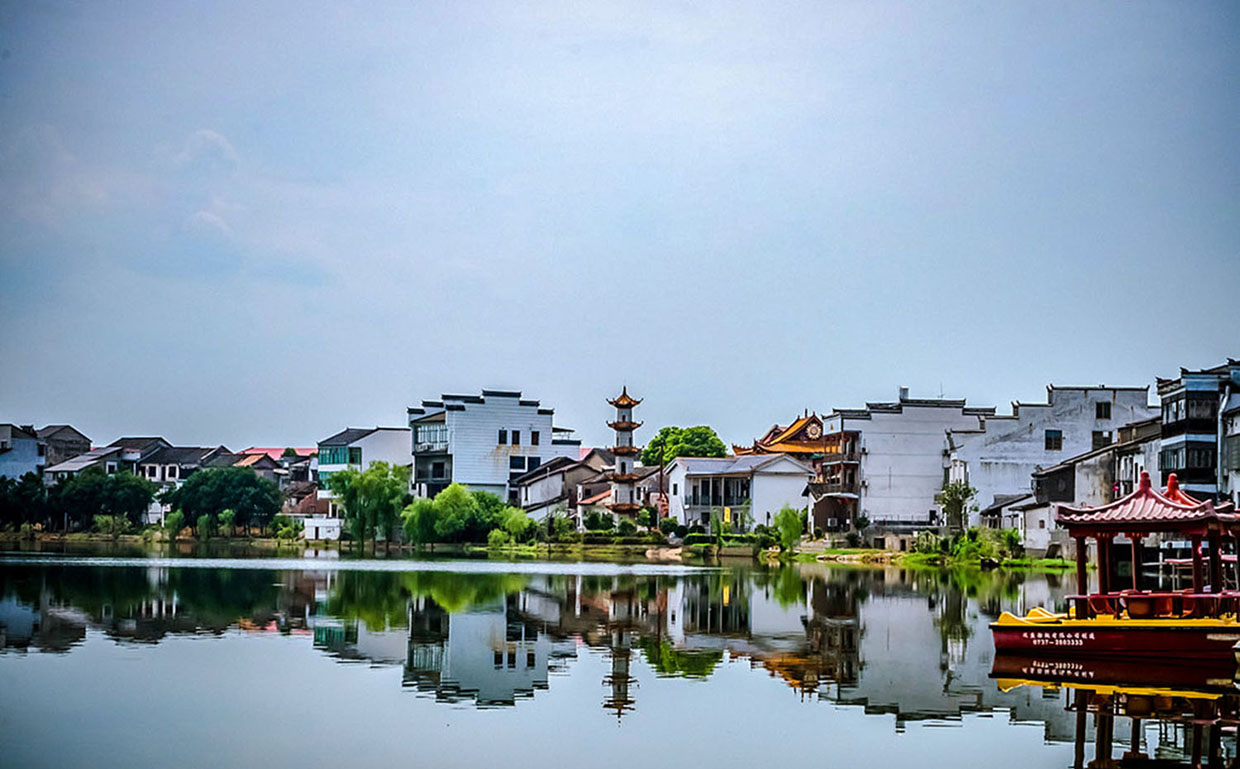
pixel 834 486
pixel 427 447
pixel 842 456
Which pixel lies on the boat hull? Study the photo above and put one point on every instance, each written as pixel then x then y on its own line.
pixel 1085 638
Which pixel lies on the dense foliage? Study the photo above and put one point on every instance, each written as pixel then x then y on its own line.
pixel 73 504
pixel 790 524
pixel 372 499
pixel 671 442
pixel 457 514
pixel 254 500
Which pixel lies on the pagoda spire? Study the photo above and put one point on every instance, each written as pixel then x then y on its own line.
pixel 623 475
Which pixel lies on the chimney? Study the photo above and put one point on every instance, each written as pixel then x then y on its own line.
pixel 903 393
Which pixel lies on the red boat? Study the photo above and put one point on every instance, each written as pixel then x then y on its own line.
pixel 1200 623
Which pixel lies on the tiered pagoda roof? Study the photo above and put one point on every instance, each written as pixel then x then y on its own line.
pixel 624 400
pixel 1147 510
pixel 624 427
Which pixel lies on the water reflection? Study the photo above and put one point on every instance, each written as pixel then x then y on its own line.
pixel 912 645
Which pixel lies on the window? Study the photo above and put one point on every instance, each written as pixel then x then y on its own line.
pixel 1102 438
pixel 171 472
pixel 43 448
pixel 533 437
pixel 532 462
pixel 529 659
pixel 1042 523
pixel 498 659
pixel 503 437
pixel 516 437
pixel 675 491
pixel 1102 410
pixel 1054 440
pixel 516 463
pixel 1202 408
pixel 1202 458
pixel 437 469
pixel 355 455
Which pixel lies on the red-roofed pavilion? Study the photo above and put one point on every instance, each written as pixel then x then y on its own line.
pixel 1143 512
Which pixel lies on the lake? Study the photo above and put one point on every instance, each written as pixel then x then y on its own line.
pixel 193 662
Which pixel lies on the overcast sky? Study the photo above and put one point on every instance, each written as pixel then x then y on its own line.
pixel 225 223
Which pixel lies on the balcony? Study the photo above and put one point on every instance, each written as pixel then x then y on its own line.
pixel 834 457
pixel 430 447
pixel 828 486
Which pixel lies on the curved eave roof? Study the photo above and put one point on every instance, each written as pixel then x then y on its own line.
pixel 1147 509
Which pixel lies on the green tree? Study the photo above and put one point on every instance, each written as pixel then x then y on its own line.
pixel 418 520
pixel 128 496
pixel 671 442
pixel 517 523
pixel 372 499
pixel 228 517
pixel 789 523
pixel 111 525
pixel 253 499
pixel 455 509
pixel 173 523
pixel 954 499
pixel 205 526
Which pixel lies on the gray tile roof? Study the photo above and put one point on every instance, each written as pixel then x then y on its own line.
pixel 725 465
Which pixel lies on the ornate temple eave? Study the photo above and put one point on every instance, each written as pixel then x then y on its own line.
pixel 624 400
pixel 624 507
pixel 626 427
pixel 625 451
pixel 624 477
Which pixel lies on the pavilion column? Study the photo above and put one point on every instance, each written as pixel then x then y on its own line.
pixel 1082 578
pixel 1198 580
pixel 1082 713
pixel 1216 563
pixel 1136 561
pixel 1104 563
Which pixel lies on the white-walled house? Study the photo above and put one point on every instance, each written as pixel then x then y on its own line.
pixel 893 466
pixel 357 448
pixel 767 482
pixel 483 441
pixel 999 455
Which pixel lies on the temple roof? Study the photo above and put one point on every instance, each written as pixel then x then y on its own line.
pixel 792 439
pixel 624 400
pixel 1148 510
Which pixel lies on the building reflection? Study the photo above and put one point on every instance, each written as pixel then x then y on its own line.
pixel 908 644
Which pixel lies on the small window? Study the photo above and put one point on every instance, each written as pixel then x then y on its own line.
pixel 533 437
pixel 498 659
pixel 516 437
pixel 1041 523
pixel 532 463
pixel 1054 440
pixel 172 471
pixel 503 437
pixel 529 659
pixel 437 469
pixel 355 455
pixel 1102 438
pixel 1102 409
pixel 675 491
pixel 516 463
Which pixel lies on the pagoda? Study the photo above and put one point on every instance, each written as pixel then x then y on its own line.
pixel 623 476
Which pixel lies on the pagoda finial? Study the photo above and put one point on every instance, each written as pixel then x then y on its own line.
pixel 1144 484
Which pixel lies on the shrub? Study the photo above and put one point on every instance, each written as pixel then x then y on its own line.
pixel 112 525
pixel 498 538
pixel 627 528
pixel 682 530
pixel 206 525
pixel 599 521
pixel 174 522
pixel 668 525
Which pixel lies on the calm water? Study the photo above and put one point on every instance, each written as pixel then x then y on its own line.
pixel 141 662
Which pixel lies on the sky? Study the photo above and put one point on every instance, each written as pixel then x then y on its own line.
pixel 259 223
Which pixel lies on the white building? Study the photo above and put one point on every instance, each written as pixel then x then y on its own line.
pixel 760 485
pixel 999 454
pixel 483 441
pixel 356 448
pixel 1231 448
pixel 892 466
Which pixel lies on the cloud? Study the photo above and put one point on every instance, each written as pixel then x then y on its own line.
pixel 207 150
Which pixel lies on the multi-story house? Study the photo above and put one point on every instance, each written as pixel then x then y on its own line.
pixel 122 455
pixel 357 448
pixel 887 465
pixel 483 441
pixel 21 451
pixel 1231 448
pixel 1193 432
pixel 63 443
pixel 999 454
pixel 553 484
pixel 745 490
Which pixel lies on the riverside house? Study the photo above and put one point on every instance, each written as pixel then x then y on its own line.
pixel 483 441
pixel 21 451
pixel 757 486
